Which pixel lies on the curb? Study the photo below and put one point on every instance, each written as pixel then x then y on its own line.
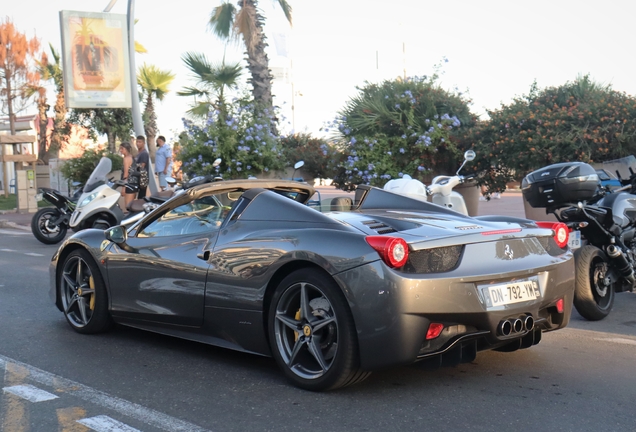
pixel 7 224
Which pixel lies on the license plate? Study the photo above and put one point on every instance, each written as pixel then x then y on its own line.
pixel 574 240
pixel 511 292
pixel 38 197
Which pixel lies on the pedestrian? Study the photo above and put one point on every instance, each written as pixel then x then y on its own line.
pixel 163 161
pixel 128 191
pixel 142 160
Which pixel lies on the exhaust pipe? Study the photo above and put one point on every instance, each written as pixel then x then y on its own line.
pixel 622 265
pixel 528 323
pixel 505 328
pixel 517 325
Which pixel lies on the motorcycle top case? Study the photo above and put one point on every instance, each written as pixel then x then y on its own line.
pixel 562 183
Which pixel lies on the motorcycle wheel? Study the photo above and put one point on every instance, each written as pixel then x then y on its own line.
pixel 593 292
pixel 42 228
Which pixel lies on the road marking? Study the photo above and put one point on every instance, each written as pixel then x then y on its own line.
pixel 30 393
pixel 138 412
pixel 33 254
pixel 14 232
pixel 104 423
pixel 619 340
pixel 8 250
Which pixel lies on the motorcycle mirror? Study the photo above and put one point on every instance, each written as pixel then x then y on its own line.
pixel 469 155
pixel 170 180
pixel 216 162
pixel 116 234
pixel 299 164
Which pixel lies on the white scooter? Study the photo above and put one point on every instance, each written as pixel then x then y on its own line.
pixel 98 206
pixel 440 190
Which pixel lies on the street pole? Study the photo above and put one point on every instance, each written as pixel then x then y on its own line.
pixel 138 125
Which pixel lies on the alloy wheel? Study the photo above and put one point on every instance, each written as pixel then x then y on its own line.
pixel 306 330
pixel 78 291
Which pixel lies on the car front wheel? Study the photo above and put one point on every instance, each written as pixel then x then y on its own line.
pixel 312 333
pixel 83 294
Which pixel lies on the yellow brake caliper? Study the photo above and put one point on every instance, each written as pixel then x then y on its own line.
pixel 297 318
pixel 91 284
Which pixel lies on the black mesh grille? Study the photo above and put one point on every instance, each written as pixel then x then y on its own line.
pixel 438 260
pixel 379 227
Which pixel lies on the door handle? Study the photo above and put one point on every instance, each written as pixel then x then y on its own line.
pixel 205 255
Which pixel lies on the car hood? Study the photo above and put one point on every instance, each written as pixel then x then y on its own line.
pixel 418 226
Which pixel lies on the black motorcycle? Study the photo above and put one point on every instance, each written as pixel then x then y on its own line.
pixel 602 229
pixel 50 224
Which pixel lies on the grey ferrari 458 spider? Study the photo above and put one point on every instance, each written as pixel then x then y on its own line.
pixel 331 291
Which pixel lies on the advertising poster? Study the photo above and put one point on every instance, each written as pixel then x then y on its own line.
pixel 95 59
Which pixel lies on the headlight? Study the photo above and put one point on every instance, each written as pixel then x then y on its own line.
pixel 88 199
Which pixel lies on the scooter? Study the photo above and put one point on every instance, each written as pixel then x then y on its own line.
pixel 50 224
pixel 98 206
pixel 440 189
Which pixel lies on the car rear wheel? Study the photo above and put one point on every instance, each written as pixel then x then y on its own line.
pixel 594 292
pixel 83 294
pixel 312 333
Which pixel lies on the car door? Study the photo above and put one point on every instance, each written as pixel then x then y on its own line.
pixel 161 274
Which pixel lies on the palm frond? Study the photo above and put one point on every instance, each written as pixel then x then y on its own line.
pixel 154 81
pixel 245 25
pixel 222 20
pixel 201 109
pixel 139 48
pixel 287 10
pixel 198 63
pixel 192 91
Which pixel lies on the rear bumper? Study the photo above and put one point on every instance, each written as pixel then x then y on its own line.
pixel 393 310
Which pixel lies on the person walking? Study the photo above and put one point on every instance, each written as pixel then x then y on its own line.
pixel 127 192
pixel 142 160
pixel 163 161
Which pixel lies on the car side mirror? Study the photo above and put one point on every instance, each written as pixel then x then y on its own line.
pixel 116 234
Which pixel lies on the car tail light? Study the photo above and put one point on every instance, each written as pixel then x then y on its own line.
pixel 561 232
pixel 434 330
pixel 393 250
pixel 559 305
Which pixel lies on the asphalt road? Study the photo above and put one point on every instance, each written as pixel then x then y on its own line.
pixel 581 378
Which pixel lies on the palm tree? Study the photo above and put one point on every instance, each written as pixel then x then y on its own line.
pixel 247 23
pixel 154 84
pixel 212 81
pixel 53 72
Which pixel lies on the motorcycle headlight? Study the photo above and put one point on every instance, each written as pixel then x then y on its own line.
pixel 88 199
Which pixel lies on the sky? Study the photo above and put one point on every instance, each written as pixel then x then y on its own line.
pixel 495 49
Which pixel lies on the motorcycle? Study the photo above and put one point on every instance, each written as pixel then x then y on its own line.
pixel 50 224
pixel 602 230
pixel 440 189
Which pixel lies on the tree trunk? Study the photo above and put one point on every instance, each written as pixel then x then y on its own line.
pixel 258 65
pixel 43 120
pixel 5 180
pixel 150 127
pixel 60 132
pixel 111 141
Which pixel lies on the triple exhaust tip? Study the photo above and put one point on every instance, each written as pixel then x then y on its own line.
pixel 515 325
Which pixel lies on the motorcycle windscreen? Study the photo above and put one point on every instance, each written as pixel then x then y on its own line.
pixel 100 172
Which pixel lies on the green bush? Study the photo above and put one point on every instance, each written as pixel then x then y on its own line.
pixel 319 156
pixel 398 127
pixel 578 121
pixel 80 169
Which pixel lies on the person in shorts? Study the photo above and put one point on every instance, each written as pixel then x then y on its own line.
pixel 163 161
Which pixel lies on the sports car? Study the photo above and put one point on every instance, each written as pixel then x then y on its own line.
pixel 331 291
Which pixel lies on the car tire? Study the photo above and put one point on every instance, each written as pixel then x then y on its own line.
pixel 83 294
pixel 320 352
pixel 593 296
pixel 39 226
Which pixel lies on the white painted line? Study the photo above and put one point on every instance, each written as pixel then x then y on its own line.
pixel 13 232
pixel 138 412
pixel 33 254
pixel 104 423
pixel 619 340
pixel 30 393
pixel 7 250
